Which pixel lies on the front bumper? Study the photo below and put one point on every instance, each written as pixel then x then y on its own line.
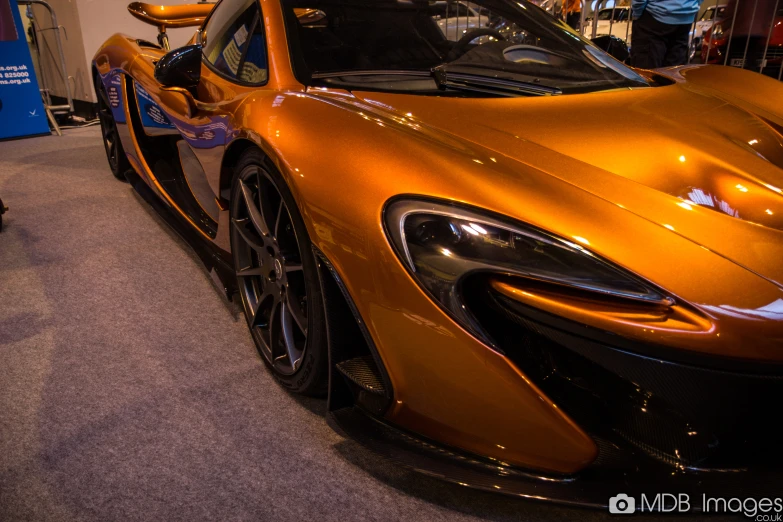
pixel 660 426
pixel 592 487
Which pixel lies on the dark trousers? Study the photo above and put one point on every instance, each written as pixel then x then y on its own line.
pixel 574 19
pixel 656 44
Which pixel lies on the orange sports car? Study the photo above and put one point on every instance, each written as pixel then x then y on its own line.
pixel 425 212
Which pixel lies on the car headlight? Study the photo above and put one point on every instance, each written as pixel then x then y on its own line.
pixel 442 245
pixel 717 31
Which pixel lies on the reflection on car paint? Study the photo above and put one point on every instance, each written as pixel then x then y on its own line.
pixel 153 118
pixel 113 84
pixel 773 310
pixel 699 197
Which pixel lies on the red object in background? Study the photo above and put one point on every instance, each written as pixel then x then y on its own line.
pixel 7 26
pixel 713 50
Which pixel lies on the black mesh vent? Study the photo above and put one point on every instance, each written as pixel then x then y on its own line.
pixel 363 372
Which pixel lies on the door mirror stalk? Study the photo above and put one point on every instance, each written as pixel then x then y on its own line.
pixel 189 98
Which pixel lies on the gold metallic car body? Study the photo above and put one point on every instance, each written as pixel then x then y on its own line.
pixel 626 173
pixel 171 16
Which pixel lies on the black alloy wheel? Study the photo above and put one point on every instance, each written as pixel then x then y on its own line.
pixel 277 276
pixel 111 139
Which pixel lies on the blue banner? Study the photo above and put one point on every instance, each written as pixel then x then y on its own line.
pixel 21 109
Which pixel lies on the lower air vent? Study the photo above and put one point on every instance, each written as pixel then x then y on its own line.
pixel 363 372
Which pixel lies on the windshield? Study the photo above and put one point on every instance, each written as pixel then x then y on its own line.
pixel 709 14
pixel 606 14
pixel 418 46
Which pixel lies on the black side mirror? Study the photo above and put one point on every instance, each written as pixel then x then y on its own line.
pixel 180 67
pixel 614 46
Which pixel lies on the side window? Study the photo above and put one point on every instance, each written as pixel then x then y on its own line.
pixel 235 43
pixel 254 67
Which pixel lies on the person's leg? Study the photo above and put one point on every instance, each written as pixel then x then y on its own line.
pixel 648 46
pixel 677 45
pixel 573 20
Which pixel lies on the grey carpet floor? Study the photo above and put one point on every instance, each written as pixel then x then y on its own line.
pixel 128 391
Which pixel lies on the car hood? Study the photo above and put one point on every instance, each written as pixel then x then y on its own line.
pixel 698 161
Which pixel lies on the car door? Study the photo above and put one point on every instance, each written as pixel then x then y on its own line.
pixel 234 63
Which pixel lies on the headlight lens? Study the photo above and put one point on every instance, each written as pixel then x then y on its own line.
pixel 443 244
pixel 717 31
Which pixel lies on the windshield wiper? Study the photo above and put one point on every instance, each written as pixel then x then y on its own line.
pixel 381 72
pixel 489 84
pixel 451 80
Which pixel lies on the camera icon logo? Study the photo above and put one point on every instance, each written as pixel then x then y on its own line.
pixel 622 504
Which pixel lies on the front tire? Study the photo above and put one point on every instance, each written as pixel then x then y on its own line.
pixel 277 276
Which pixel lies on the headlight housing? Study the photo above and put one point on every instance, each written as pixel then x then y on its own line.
pixel 443 244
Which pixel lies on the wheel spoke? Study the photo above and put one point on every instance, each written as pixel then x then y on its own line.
pixel 258 316
pixel 293 267
pixel 266 305
pixel 288 335
pixel 256 214
pixel 252 271
pixel 279 216
pixel 107 125
pixel 106 119
pixel 249 234
pixel 104 96
pixel 297 314
pixel 275 327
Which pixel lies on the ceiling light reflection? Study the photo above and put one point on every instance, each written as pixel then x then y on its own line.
pixel 478 228
pixel 469 231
